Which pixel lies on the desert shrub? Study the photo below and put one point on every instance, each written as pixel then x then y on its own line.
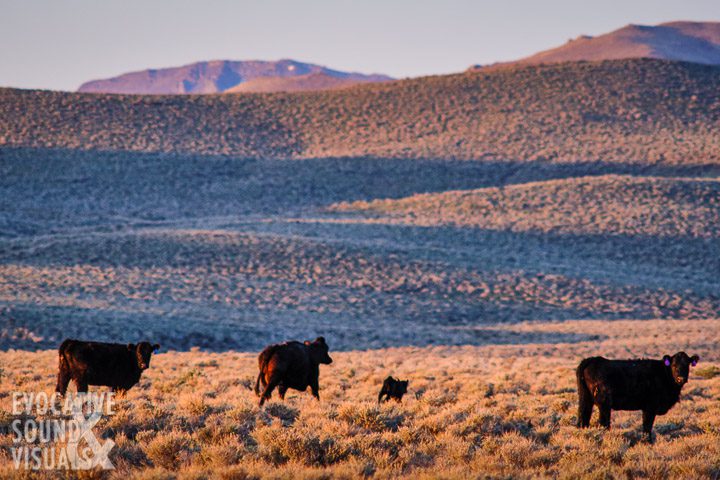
pixel 223 452
pixel 709 371
pixel 281 444
pixel 170 450
pixel 438 398
pixel 282 411
pixel 129 452
pixel 371 417
pixel 193 405
pixel 483 424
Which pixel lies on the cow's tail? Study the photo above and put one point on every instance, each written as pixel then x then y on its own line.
pixel 580 375
pixel 257 383
pixel 263 360
pixel 261 368
pixel 585 399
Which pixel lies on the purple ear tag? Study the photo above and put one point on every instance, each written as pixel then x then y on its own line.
pixel 667 362
pixel 694 362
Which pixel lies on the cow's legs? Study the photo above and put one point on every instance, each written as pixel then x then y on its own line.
pixel 267 393
pixel 648 420
pixel 62 381
pixel 260 383
pixel 282 389
pixel 584 412
pixel 604 415
pixel 382 394
pixel 315 389
pixel 81 384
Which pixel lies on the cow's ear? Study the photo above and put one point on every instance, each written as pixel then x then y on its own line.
pixel 308 342
pixel 694 360
pixel 320 340
pixel 156 347
pixel 667 360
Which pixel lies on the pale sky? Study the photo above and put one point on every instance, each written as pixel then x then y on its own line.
pixel 59 44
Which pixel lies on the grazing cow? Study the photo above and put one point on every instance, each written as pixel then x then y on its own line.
pixel 652 386
pixel 291 365
pixel 109 364
pixel 393 388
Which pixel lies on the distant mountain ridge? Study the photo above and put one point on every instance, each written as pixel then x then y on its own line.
pixel 220 76
pixel 697 42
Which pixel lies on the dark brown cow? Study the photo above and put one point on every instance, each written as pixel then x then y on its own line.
pixel 293 365
pixel 652 386
pixel 393 388
pixel 107 364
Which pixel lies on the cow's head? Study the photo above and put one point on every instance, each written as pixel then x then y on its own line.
pixel 143 351
pixel 319 351
pixel 679 365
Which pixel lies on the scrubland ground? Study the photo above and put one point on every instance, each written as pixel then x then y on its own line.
pixel 232 254
pixel 482 282
pixel 498 411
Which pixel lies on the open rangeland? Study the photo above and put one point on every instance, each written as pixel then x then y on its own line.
pixel 477 234
pixel 486 311
pixel 503 410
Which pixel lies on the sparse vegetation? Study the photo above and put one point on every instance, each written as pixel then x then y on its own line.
pixel 708 372
pixel 586 222
pixel 632 111
pixel 226 253
pixel 497 411
pixel 601 205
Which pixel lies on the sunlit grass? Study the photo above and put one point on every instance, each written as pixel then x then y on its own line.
pixel 505 411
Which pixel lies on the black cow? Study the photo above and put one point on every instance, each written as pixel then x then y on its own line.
pixel 291 365
pixel 108 364
pixel 652 386
pixel 393 388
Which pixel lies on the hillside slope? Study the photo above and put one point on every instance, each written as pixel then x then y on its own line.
pixel 300 83
pixel 633 111
pixel 610 204
pixel 218 76
pixel 684 41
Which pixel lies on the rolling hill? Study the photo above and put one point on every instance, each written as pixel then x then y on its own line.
pixel 600 205
pixel 476 234
pixel 648 112
pixel 697 42
pixel 300 83
pixel 223 75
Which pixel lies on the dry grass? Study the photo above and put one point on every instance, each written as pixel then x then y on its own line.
pixel 230 254
pixel 498 411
